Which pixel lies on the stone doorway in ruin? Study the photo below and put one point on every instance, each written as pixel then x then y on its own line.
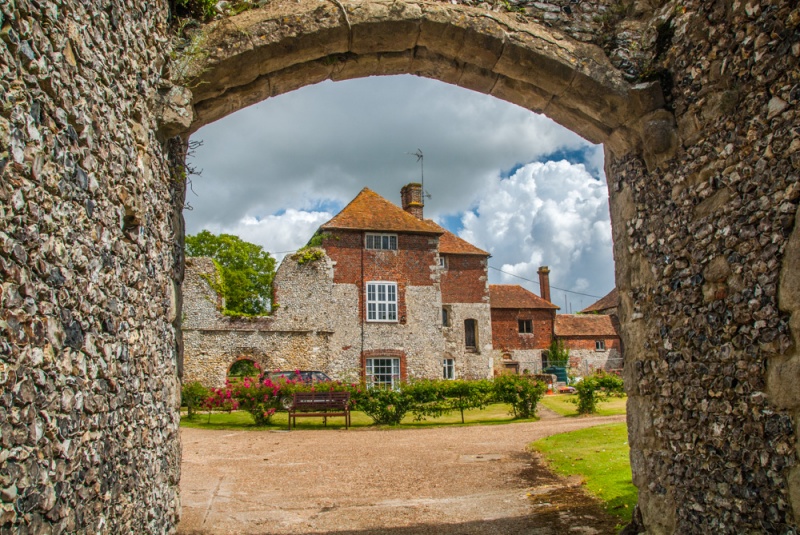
pixel 288 45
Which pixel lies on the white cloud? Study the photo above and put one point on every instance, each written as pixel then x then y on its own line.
pixel 275 171
pixel 276 233
pixel 553 214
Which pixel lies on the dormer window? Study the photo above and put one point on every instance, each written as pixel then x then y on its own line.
pixel 386 242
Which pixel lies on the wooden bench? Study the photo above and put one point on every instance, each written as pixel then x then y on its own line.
pixel 320 404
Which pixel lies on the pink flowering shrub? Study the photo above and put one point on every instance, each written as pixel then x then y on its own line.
pixel 260 397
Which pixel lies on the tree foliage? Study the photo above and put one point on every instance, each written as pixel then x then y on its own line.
pixel 192 397
pixel 557 354
pixel 245 269
pixel 595 388
pixel 521 392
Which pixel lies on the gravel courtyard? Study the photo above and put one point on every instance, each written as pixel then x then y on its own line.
pixel 443 481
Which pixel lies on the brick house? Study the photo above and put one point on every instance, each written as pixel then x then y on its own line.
pixel 522 327
pixel 418 301
pixel 592 339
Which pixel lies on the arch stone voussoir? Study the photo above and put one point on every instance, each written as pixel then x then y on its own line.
pixel 286 45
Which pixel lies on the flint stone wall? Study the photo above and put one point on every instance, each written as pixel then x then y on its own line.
pixel 88 224
pixel 700 243
pixel 468 365
pixel 704 198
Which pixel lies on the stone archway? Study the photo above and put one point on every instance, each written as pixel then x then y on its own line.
pixel 704 206
pixel 284 46
pixel 287 45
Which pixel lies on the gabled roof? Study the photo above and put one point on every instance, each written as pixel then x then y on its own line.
pixel 449 243
pixel 370 211
pixel 609 301
pixel 515 296
pixel 584 325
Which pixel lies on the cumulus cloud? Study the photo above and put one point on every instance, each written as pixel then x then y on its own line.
pixel 276 233
pixel 323 143
pixel 272 173
pixel 555 214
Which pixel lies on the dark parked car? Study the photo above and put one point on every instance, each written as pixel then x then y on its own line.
pixel 308 377
pixel 304 375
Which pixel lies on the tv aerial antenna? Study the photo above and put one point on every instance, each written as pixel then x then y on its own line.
pixel 421 160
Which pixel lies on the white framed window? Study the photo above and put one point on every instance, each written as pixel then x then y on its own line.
pixel 600 345
pixel 383 372
pixel 442 262
pixel 449 368
pixel 386 242
pixel 382 301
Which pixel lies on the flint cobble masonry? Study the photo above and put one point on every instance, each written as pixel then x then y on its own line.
pixel 703 178
pixel 88 361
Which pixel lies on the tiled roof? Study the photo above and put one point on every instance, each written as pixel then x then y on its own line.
pixel 609 301
pixel 449 243
pixel 370 211
pixel 514 296
pixel 584 325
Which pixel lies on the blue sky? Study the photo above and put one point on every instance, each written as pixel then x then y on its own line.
pixel 510 181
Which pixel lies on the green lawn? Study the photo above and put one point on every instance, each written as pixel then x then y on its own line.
pixel 497 413
pixel 559 403
pixel 600 455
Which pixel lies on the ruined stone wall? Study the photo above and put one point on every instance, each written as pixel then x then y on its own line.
pixel 296 336
pixel 700 242
pixel 88 363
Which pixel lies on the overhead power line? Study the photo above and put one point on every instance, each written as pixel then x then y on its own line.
pixel 537 283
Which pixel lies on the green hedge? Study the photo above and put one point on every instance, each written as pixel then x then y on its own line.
pixel 423 398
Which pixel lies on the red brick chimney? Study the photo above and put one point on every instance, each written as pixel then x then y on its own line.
pixel 544 282
pixel 411 196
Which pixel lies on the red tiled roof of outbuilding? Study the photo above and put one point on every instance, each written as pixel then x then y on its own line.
pixel 515 296
pixel 370 211
pixel 611 300
pixel 584 325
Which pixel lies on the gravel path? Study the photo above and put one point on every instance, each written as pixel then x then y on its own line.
pixel 443 481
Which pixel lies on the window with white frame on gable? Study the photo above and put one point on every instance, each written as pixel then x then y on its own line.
pixel 600 345
pixel 381 301
pixel 383 372
pixel 442 262
pixel 386 242
pixel 449 368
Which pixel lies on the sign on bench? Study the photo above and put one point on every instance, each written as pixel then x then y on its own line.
pixel 320 404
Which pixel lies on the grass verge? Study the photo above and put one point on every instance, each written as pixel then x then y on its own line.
pixel 559 403
pixel 599 454
pixel 497 413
